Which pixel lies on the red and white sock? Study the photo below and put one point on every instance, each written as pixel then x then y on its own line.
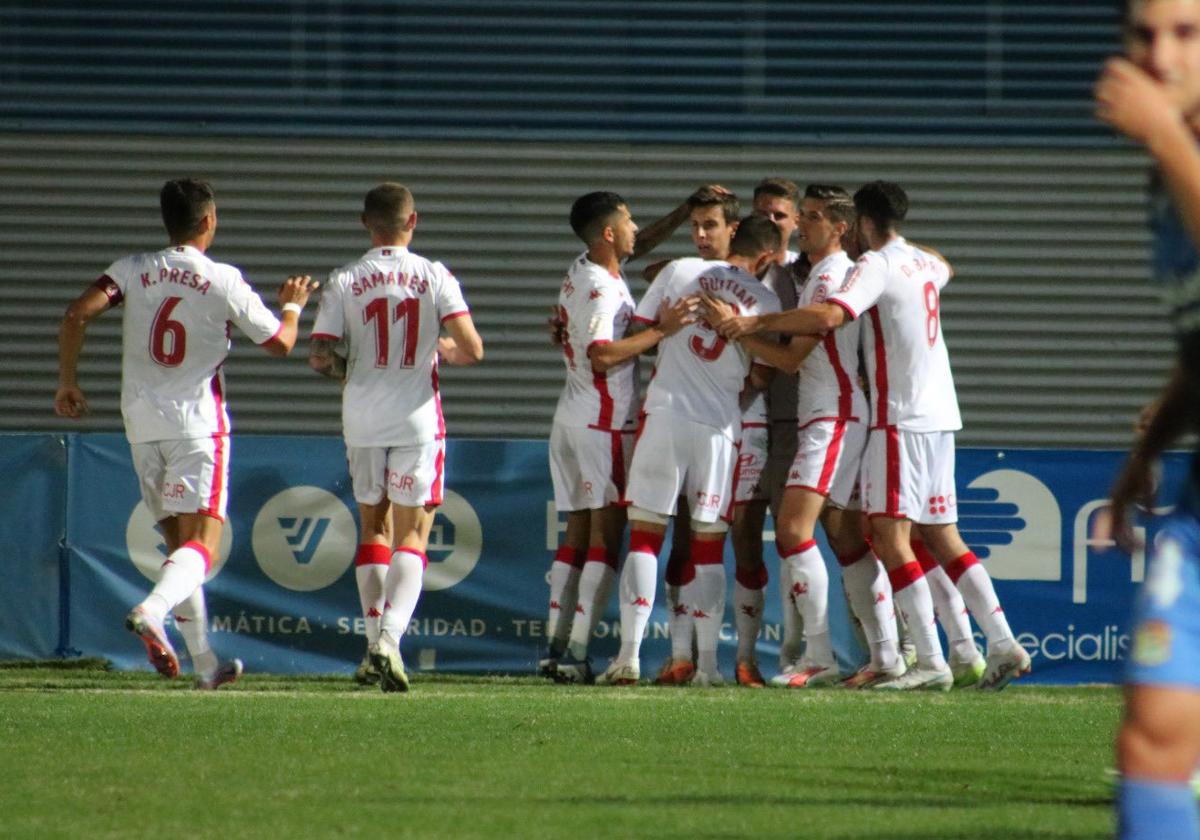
pixel 870 596
pixel 810 588
pixel 975 584
pixel 748 592
pixel 371 563
pixel 705 594
pixel 911 593
pixel 182 572
pixel 791 646
pixel 638 581
pixel 948 606
pixel 595 588
pixel 564 594
pixel 402 589
pixel 191 619
pixel 682 628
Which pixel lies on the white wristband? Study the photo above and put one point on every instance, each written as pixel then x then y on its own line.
pixel 291 306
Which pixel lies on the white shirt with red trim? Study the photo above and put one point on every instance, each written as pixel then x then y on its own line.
pixel 388 307
pixel 595 308
pixel 699 375
pixel 898 290
pixel 175 336
pixel 829 388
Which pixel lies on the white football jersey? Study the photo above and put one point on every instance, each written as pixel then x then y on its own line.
pixel 389 307
pixel 595 308
pixel 698 374
pixel 829 387
pixel 898 289
pixel 175 337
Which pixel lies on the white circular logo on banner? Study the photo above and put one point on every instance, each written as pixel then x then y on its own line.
pixel 455 542
pixel 304 538
pixel 148 550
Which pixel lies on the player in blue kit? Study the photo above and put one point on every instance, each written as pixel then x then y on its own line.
pixel 1153 96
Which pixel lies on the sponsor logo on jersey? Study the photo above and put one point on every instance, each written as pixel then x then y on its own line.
pixel 304 538
pixel 148 551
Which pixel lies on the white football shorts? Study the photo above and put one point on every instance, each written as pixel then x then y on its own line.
pixel 751 464
pixel 828 459
pixel 412 476
pixel 183 476
pixel 588 466
pixel 910 475
pixel 675 456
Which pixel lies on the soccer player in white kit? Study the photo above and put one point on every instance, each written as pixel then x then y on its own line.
pixel 178 305
pixel 591 439
pixel 908 469
pixel 686 444
pixel 389 308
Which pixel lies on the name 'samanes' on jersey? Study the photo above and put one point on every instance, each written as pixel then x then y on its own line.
pixel 185 278
pixel 391 278
pixel 717 284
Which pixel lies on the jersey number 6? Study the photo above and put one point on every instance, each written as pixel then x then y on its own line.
pixel 161 328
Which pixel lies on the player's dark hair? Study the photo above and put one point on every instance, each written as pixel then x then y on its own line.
pixel 387 207
pixel 778 188
pixel 884 203
pixel 184 202
pixel 706 196
pixel 591 212
pixel 754 236
pixel 838 206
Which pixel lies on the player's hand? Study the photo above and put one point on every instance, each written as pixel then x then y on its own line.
pixel 672 317
pixel 557 327
pixel 1133 102
pixel 651 271
pixel 1135 487
pixel 296 289
pixel 724 318
pixel 69 401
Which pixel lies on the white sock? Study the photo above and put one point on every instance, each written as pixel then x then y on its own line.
pixel 564 595
pixel 952 615
pixel 975 584
pixel 870 595
pixel 706 596
pixel 191 619
pixel 747 618
pixel 182 572
pixel 792 644
pixel 595 588
pixel 402 589
pixel 810 586
pixel 370 578
pixel 682 627
pixel 911 593
pixel 638 581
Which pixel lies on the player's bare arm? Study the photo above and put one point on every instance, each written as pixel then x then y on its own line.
pixel 556 327
pixel 815 319
pixel 671 319
pixel 464 347
pixel 1136 483
pixel 786 357
pixel 325 360
pixel 293 294
pixel 69 400
pixel 1138 106
pixel 655 233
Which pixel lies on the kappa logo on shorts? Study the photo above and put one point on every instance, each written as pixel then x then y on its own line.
pixel 1013 523
pixel 455 543
pixel 148 551
pixel 304 538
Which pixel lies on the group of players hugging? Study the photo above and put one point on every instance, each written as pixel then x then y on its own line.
pixel 815 384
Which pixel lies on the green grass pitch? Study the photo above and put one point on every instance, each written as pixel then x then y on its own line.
pixel 88 753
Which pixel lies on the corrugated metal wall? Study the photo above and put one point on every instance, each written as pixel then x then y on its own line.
pixel 1054 332
pixel 500 112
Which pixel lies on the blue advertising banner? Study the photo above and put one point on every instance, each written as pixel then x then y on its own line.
pixel 33 498
pixel 282 595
